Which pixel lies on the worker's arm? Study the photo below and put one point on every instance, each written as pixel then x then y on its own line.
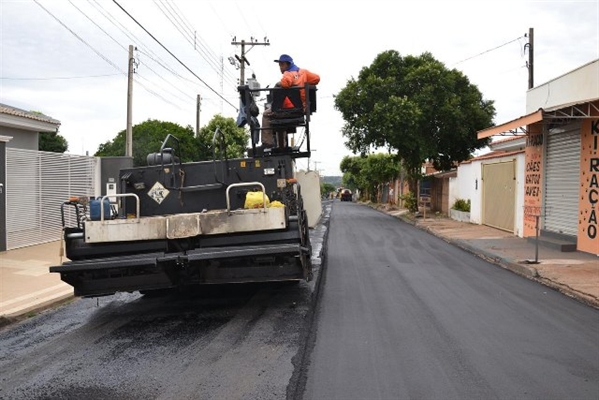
pixel 288 79
pixel 312 78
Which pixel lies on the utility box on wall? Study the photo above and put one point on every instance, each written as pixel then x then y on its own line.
pixel 110 168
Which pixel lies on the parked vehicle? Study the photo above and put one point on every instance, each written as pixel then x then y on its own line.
pixel 346 195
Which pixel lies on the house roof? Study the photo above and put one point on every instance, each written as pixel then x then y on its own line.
pixel 577 109
pixel 515 127
pixel 508 139
pixel 17 112
pixel 15 118
pixel 444 174
pixel 494 154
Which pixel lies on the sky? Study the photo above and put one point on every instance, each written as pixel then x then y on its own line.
pixel 69 58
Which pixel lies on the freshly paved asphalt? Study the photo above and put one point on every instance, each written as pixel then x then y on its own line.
pixel 404 314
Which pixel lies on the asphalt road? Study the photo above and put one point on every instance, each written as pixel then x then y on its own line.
pixel 404 315
pixel 234 343
pixel 225 342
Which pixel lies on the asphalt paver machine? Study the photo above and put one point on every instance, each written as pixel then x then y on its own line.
pixel 189 224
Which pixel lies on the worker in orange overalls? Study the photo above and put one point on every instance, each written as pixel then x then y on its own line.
pixel 292 76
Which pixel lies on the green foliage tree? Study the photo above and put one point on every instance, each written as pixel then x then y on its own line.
pixel 326 188
pixel 52 141
pixel 351 167
pixel 417 109
pixel 235 138
pixel 369 173
pixel 149 136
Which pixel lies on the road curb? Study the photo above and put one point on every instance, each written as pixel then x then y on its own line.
pixel 297 382
pixel 526 271
pixel 22 314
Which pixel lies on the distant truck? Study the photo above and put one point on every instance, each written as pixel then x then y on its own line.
pixel 346 195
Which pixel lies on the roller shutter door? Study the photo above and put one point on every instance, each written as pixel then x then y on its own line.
pixel 562 180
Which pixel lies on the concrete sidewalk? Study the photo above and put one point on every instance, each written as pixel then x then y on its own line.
pixel 26 286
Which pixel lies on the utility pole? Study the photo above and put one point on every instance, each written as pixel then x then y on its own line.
pixel 530 45
pixel 316 165
pixel 242 58
pixel 198 105
pixel 129 132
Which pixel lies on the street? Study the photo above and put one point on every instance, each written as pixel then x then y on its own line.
pixel 394 313
pixel 404 315
pixel 229 343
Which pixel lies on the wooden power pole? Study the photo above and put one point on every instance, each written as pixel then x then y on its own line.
pixel 129 132
pixel 531 70
pixel 242 58
pixel 198 107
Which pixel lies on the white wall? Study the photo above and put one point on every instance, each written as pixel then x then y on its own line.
pixel 21 139
pixel 464 187
pixel 476 193
pixel 453 191
pixel 310 187
pixel 579 85
pixel 520 177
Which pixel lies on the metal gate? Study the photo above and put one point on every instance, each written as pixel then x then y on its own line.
pixel 499 195
pixel 562 180
pixel 37 183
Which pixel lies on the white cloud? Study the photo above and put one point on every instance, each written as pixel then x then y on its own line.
pixel 334 39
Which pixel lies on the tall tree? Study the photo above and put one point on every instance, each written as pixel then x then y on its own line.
pixel 52 141
pixel 369 173
pixel 326 189
pixel 149 136
pixel 235 138
pixel 417 109
pixel 352 167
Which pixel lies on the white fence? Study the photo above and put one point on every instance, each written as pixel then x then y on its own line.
pixel 37 184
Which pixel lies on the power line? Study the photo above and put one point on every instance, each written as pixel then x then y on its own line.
pixel 100 54
pixel 123 29
pixel 242 17
pixel 140 46
pixel 81 39
pixel 186 35
pixel 58 78
pixel 175 57
pixel 126 50
pixel 167 68
pixel 487 51
pixel 155 94
pixel 190 36
pixel 201 42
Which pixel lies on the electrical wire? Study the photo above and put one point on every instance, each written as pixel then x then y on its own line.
pixel 100 54
pixel 81 39
pixel 201 42
pixel 58 78
pixel 141 46
pixel 124 30
pixel 190 36
pixel 488 51
pixel 175 57
pixel 126 51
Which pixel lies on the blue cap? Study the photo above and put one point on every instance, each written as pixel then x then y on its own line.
pixel 285 58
